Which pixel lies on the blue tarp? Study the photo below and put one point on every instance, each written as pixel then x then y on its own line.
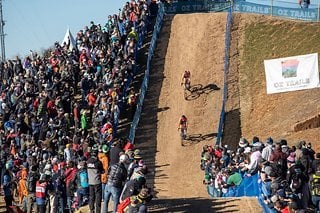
pixel 250 187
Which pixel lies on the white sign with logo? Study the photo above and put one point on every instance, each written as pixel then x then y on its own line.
pixel 292 73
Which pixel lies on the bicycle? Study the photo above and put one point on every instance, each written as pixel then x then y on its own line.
pixel 186 88
pixel 183 135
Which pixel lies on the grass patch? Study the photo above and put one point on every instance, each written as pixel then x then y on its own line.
pixel 274 39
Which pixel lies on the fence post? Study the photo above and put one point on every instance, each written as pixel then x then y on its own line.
pixel 271 7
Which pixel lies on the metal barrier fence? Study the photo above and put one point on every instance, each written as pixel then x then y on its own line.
pixel 141 31
pixel 145 82
pixel 226 70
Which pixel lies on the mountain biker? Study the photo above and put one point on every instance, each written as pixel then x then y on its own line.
pixel 186 79
pixel 183 126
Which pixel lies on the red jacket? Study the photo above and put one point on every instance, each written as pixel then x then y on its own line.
pixel 69 175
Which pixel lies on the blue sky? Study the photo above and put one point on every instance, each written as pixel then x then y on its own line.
pixel 37 24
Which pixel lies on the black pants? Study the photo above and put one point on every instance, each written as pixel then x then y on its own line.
pixel 95 193
pixel 42 208
pixel 8 200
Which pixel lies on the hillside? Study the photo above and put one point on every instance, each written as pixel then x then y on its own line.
pixel 292 115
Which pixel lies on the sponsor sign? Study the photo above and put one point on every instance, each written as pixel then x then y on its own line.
pixel 292 73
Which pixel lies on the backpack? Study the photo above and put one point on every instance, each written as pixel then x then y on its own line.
pixel 123 205
pixel 315 185
pixel 83 179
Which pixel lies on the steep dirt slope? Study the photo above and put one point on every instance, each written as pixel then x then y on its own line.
pixel 276 115
pixel 194 42
pixel 197 44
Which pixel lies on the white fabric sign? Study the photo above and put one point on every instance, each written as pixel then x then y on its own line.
pixel 292 73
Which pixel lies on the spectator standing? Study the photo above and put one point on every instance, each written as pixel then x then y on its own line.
pixel 32 179
pixel 81 182
pixel 7 185
pixel 57 200
pixel 267 150
pixel 117 175
pixel 95 169
pixel 23 191
pixel 69 175
pixel 41 193
pixel 315 189
pixel 132 187
pixel 115 151
pixel 104 158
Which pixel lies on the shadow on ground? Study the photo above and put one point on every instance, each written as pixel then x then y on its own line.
pixel 127 114
pixel 146 135
pixel 198 205
pixel 231 131
pixel 196 138
pixel 197 90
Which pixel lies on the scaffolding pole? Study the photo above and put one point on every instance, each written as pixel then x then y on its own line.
pixel 2 35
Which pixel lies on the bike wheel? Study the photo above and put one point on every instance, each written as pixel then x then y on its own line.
pixel 181 137
pixel 185 94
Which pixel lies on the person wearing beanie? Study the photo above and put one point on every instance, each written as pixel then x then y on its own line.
pixel 117 175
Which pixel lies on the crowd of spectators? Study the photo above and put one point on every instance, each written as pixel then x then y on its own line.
pixel 58 119
pixel 289 177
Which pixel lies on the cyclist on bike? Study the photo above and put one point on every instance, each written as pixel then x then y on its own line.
pixel 186 79
pixel 183 126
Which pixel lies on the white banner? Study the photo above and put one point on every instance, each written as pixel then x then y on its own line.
pixel 292 73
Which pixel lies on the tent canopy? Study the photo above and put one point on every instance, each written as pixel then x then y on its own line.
pixel 69 39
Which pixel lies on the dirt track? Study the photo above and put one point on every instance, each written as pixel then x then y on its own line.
pixel 194 42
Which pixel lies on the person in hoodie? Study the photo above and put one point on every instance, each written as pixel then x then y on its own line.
pixel 95 169
pixel 69 175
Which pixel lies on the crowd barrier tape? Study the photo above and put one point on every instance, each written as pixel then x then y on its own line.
pixel 145 82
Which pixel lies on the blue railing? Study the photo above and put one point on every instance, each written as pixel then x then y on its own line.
pixel 141 36
pixel 145 82
pixel 226 70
